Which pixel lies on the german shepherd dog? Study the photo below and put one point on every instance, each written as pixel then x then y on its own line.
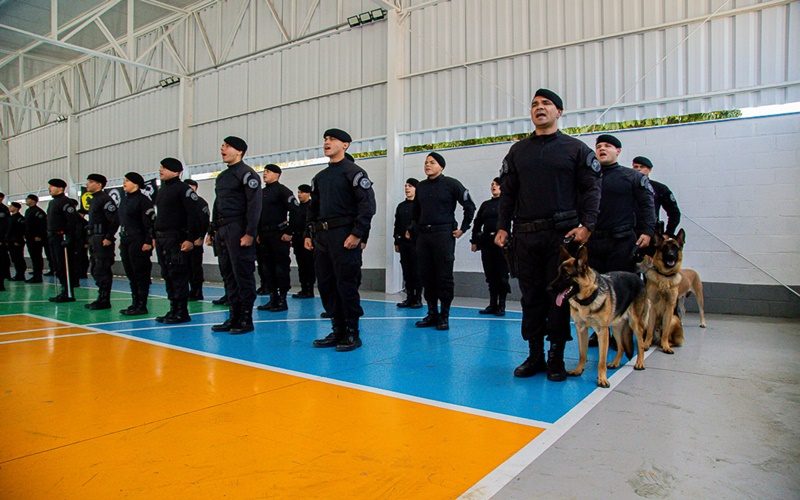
pixel 599 301
pixel 663 287
pixel 691 284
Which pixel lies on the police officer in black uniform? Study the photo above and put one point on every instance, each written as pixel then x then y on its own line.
pixel 102 228
pixel 61 237
pixel 663 196
pixel 177 227
pixel 437 232
pixel 137 216
pixel 81 242
pixel 196 276
pixel 16 241
pixel 35 236
pixel 237 208
pixel 405 243
pixel 550 190
pixel 278 207
pixel 5 224
pixel 303 257
pixel 339 218
pixel 495 267
pixel 627 213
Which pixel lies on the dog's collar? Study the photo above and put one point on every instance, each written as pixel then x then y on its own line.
pixel 666 275
pixel 588 300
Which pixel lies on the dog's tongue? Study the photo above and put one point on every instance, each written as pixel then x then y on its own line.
pixel 560 298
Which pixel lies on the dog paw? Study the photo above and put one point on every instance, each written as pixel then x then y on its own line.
pixel 667 350
pixel 575 373
pixel 613 365
pixel 702 325
pixel 603 382
pixel 638 366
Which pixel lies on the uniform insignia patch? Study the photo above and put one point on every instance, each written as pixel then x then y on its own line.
pixel 193 196
pixel 466 194
pixel 365 183
pixel 672 197
pixel 593 163
pixel 293 201
pixel 70 209
pixel 252 183
pixel 111 207
pixel 646 183
pixel 504 168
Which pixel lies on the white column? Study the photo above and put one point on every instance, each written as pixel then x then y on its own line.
pixel 395 109
pixel 185 119
pixel 73 159
pixel 4 186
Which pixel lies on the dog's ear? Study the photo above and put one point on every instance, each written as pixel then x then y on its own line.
pixel 564 254
pixel 681 237
pixel 583 258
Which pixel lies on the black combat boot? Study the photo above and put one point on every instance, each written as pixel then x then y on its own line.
pixel 196 294
pixel 443 322
pixel 535 362
pixel 181 314
pixel 222 301
pixel 555 362
pixel 273 298
pixel 501 305
pixel 416 299
pixel 245 323
pixel 233 319
pixel 332 339
pixel 492 307
pixel 280 303
pixel 407 302
pixel 350 341
pixel 134 300
pixel 173 305
pixel 103 301
pixel 431 319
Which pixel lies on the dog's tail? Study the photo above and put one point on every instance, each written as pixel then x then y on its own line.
pixel 627 341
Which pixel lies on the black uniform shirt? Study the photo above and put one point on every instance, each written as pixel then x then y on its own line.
pixel 5 222
pixel 137 215
pixel 35 223
pixel 403 217
pixel 547 174
pixel 435 202
pixel 16 231
pixel 238 196
pixel 665 198
pixel 278 205
pixel 343 189
pixel 62 218
pixel 103 217
pixel 178 209
pixel 627 201
pixel 485 222
pixel 205 216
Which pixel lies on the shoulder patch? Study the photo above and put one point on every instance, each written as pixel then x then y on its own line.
pixel 672 198
pixel 110 206
pixel 593 163
pixel 361 180
pixel 2 215
pixel 293 201
pixel 252 183
pixel 40 215
pixel 69 209
pixel 192 195
pixel 504 167
pixel 645 182
pixel 466 195
pixel 205 210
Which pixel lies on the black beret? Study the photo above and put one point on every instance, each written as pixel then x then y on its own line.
pixel 439 158
pixel 16 204
pixel 497 181
pixel 172 164
pixel 59 183
pixel 135 178
pixel 33 197
pixel 641 160
pixel 610 139
pixel 337 134
pixel 273 168
pixel 304 188
pixel 552 96
pixel 2 195
pixel 236 143
pixel 412 181
pixel 98 178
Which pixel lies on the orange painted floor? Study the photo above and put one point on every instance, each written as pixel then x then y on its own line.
pixel 92 415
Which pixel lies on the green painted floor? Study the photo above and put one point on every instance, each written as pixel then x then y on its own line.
pixel 20 297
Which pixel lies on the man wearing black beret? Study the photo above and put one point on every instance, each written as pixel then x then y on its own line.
pixel 5 224
pixel 237 209
pixel 16 241
pixel 304 257
pixel 35 236
pixel 550 191
pixel 177 226
pixel 663 195
pixel 405 243
pixel 62 222
pixel 339 218
pixel 137 215
pixel 102 228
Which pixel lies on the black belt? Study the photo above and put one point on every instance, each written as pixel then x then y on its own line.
pixel 224 221
pixel 534 226
pixel 332 223
pixel 169 233
pixel 274 227
pixel 434 228
pixel 614 232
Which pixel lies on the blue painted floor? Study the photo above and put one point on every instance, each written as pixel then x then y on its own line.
pixel 471 365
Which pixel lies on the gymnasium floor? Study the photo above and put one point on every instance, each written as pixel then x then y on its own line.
pixel 95 406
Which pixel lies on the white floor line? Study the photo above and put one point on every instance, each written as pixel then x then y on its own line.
pixel 37 329
pixel 46 301
pixel 496 480
pixel 51 337
pixel 145 318
pixel 307 376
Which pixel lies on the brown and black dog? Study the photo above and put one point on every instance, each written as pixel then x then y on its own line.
pixel 663 288
pixel 599 301
pixel 691 284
